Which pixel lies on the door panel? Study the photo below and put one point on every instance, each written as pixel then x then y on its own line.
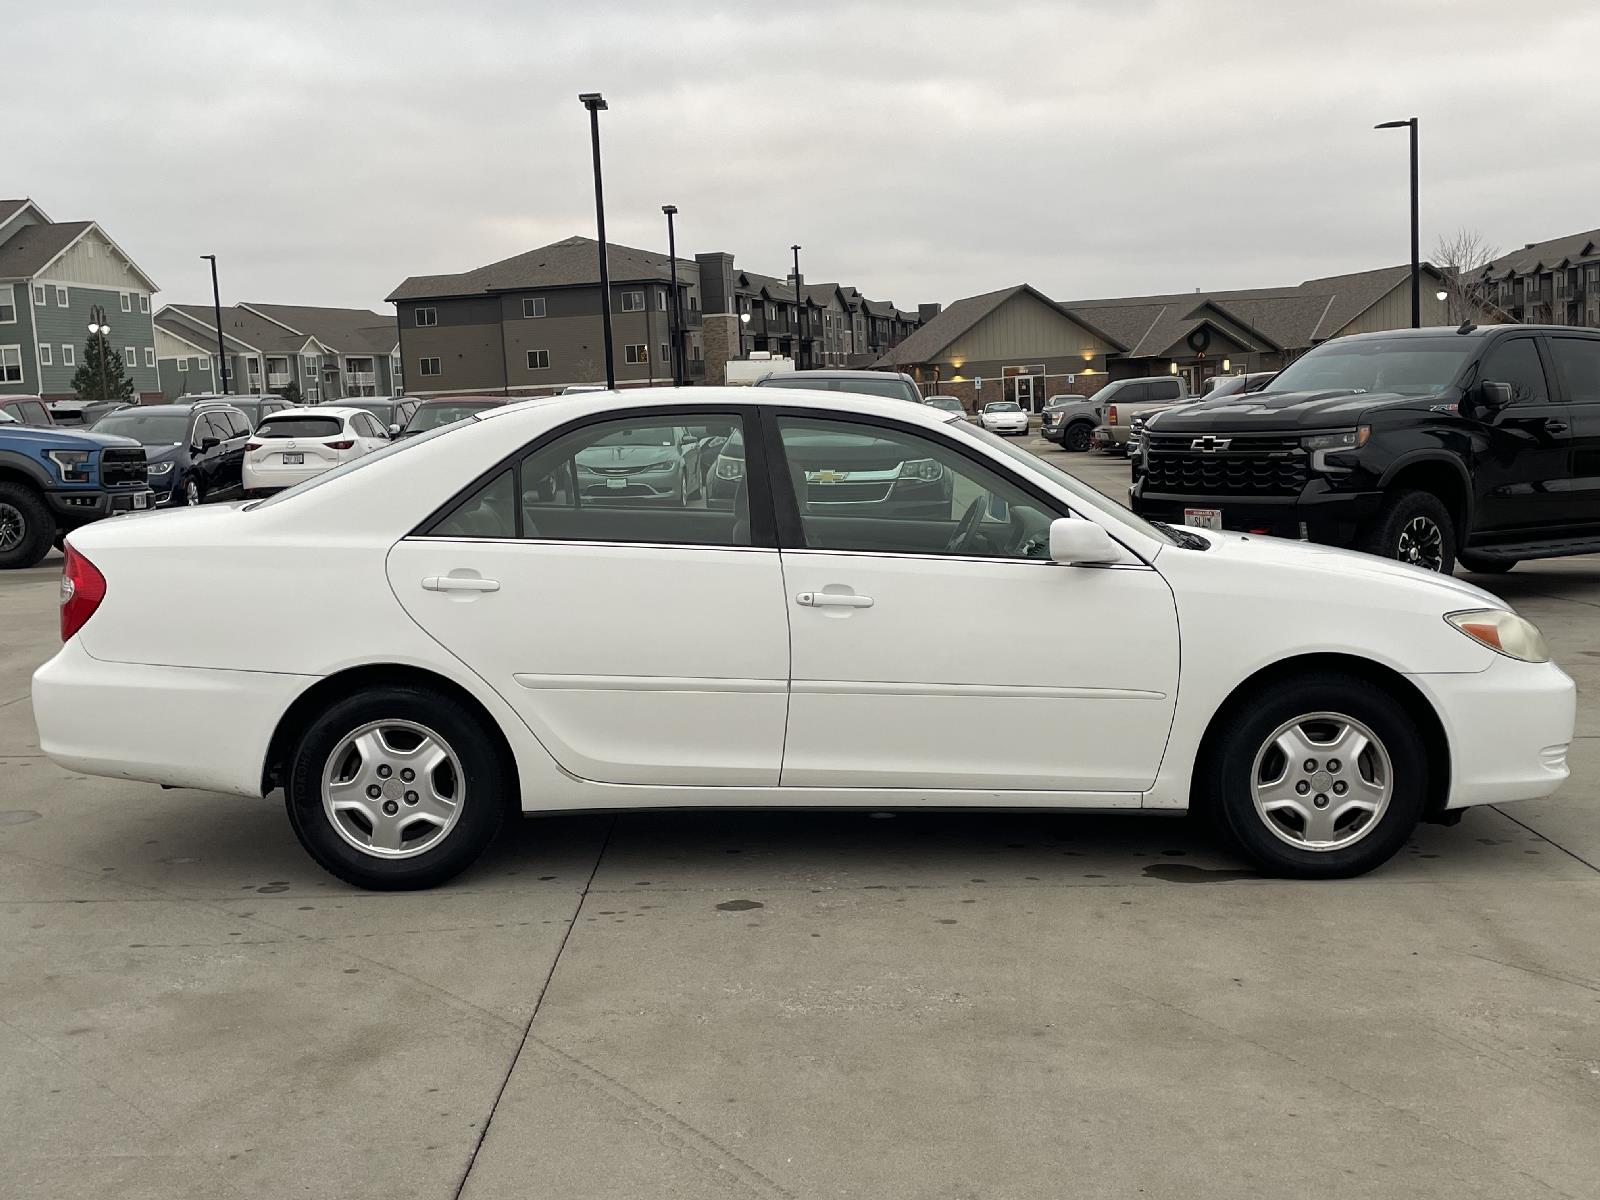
pixel 977 674
pixel 1524 475
pixel 1577 362
pixel 632 664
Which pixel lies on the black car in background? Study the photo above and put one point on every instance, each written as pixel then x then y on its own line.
pixel 255 408
pixel 195 451
pixel 442 410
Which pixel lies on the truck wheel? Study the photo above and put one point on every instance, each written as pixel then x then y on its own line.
pixel 1414 527
pixel 1486 566
pixel 26 527
pixel 1076 438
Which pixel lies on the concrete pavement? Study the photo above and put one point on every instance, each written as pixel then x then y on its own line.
pixel 793 1005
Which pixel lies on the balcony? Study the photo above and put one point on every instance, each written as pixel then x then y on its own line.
pixel 360 378
pixel 275 380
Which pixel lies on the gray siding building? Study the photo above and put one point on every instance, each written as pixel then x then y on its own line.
pixel 1546 283
pixel 52 275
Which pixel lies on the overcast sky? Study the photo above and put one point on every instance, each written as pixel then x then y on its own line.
pixel 921 151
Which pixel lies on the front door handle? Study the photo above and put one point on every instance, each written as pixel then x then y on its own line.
pixel 833 600
pixel 1555 426
pixel 457 583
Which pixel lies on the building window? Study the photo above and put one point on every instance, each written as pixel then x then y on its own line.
pixel 666 353
pixel 694 302
pixel 183 364
pixel 10 364
pixel 772 312
pixel 62 298
pixel 428 366
pixel 638 354
pixel 69 356
pixel 538 360
pixel 8 308
pixel 130 355
pixel 44 355
pixel 695 352
pixel 200 364
pixel 533 306
pixel 632 301
pixel 127 302
pixel 427 316
pixel 661 300
pixel 144 303
pixel 1561 284
pixel 149 356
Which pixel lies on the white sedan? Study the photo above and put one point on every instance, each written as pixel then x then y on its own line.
pixel 292 445
pixel 497 631
pixel 1004 416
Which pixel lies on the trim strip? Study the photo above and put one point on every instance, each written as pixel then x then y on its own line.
pixel 841 687
pixel 649 683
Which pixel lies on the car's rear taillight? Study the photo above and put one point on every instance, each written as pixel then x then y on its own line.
pixel 1111 415
pixel 82 589
pixel 344 445
pixel 252 445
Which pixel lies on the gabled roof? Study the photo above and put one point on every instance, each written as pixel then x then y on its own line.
pixel 251 331
pixel 343 330
pixel 26 252
pixel 1569 250
pixel 927 342
pixel 567 263
pixel 195 331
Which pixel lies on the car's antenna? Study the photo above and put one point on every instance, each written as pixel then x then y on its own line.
pixel 1466 326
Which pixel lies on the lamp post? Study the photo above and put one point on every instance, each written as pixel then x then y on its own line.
pixel 799 309
pixel 99 328
pixel 1416 262
pixel 675 315
pixel 216 307
pixel 596 104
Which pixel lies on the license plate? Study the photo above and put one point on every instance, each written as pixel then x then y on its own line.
pixel 1203 518
pixel 616 483
pixel 141 499
pixel 293 460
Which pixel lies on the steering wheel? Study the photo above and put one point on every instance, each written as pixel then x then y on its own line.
pixel 965 528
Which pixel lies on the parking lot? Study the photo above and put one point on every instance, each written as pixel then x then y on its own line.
pixel 795 1004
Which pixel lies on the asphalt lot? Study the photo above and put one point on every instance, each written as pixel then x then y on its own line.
pixel 793 1005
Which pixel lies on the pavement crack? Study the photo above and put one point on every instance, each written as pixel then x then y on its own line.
pixel 538 1002
pixel 1572 854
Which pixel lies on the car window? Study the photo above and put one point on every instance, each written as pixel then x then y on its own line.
pixel 238 425
pixel 874 488
pixel 300 425
pixel 1578 361
pixel 1516 361
pixel 34 413
pixel 672 481
pixel 1165 389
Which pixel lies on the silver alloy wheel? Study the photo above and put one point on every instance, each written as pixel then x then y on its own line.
pixel 13 527
pixel 1422 544
pixel 1322 781
pixel 393 789
pixel 191 492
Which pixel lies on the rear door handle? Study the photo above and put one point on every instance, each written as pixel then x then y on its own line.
pixel 833 600
pixel 456 583
pixel 1555 426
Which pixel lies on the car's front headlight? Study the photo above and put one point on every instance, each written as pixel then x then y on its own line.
pixel 1503 632
pixel 921 468
pixel 73 465
pixel 159 469
pixel 664 465
pixel 1321 445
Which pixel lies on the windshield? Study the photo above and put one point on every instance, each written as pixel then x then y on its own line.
pixel 1002 406
pixel 153 429
pixel 383 410
pixel 1082 493
pixel 300 426
pixel 355 464
pixel 1409 366
pixel 7 419
pixel 431 416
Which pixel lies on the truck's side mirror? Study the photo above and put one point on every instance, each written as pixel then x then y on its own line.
pixel 1494 396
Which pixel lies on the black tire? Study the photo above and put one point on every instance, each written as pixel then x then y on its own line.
pixel 194 492
pixel 1227 797
pixel 26 527
pixel 485 784
pixel 1486 566
pixel 1077 436
pixel 1413 527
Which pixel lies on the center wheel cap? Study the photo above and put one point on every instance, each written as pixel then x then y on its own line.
pixel 393 789
pixel 1321 782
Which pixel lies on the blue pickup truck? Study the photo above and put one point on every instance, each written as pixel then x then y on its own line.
pixel 53 479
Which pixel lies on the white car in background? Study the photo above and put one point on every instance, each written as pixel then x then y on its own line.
pixel 292 445
pixel 490 641
pixel 949 404
pixel 1004 416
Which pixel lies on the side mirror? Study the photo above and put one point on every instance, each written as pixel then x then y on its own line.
pixel 394 431
pixel 1076 542
pixel 687 438
pixel 1494 396
pixel 209 443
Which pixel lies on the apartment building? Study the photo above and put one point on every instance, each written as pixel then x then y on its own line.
pixel 53 275
pixel 1547 283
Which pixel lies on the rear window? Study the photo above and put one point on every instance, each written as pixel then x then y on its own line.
pixel 300 425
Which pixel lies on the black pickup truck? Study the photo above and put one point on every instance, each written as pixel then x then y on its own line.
pixel 1479 445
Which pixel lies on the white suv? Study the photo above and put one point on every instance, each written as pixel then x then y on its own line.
pixel 291 446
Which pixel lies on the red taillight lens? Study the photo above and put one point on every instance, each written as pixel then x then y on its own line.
pixel 1111 415
pixel 82 589
pixel 252 445
pixel 344 445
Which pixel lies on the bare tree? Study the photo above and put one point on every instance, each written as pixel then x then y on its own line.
pixel 1461 258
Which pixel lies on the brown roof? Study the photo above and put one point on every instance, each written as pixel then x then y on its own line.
pixel 246 328
pixel 347 330
pixel 962 315
pixel 1574 248
pixel 567 263
pixel 27 251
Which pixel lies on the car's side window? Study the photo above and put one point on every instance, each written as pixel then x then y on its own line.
pixel 237 425
pixel 670 480
pixel 1516 361
pixel 1578 361
pixel 34 413
pixel 886 490
pixel 1167 389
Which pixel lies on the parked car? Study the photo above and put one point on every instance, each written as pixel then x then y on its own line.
pixel 1152 395
pixel 1004 416
pixel 479 648
pixel 389 410
pixel 27 410
pixel 94 410
pixel 894 385
pixel 195 451
pixel 290 447
pixel 949 404
pixel 1070 421
pixel 255 408
pixel 1218 387
pixel 55 479
pixel 578 389
pixel 441 410
pixel 1425 445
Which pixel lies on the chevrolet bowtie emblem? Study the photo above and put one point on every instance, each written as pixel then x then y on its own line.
pixel 828 476
pixel 1210 445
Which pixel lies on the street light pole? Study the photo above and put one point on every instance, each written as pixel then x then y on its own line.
pixel 676 313
pixel 1416 248
pixel 216 307
pixel 99 327
pixel 596 104
pixel 799 309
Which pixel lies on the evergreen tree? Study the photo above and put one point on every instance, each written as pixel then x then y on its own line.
pixel 87 381
pixel 291 393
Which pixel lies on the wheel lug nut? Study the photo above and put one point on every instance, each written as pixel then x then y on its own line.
pixel 1320 800
pixel 374 791
pixel 390 807
pixel 1311 766
pixel 1302 787
pixel 1340 787
pixel 385 770
pixel 408 774
pixel 1333 766
pixel 411 797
